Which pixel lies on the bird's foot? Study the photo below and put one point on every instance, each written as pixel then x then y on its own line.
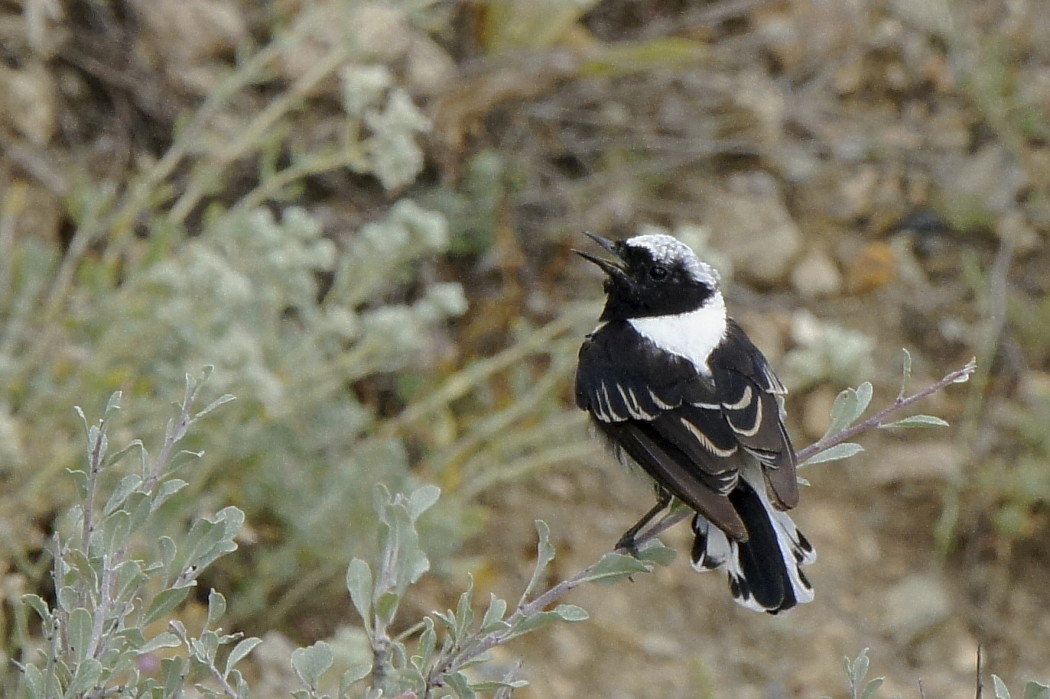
pixel 628 543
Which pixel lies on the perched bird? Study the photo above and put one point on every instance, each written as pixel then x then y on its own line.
pixel 675 384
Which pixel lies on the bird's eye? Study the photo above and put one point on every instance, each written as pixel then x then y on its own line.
pixel 658 272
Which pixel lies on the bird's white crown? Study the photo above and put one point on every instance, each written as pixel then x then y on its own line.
pixel 670 251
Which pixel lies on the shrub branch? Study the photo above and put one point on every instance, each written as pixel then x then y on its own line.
pixel 462 656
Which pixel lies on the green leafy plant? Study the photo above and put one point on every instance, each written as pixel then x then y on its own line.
pixel 856 678
pixel 119 575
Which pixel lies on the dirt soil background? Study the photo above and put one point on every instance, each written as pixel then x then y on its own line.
pixel 881 167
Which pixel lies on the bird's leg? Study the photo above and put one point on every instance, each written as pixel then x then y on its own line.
pixel 627 541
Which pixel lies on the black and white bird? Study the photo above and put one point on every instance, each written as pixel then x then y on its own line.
pixel 676 386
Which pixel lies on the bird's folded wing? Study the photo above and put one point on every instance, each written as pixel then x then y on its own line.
pixel 749 390
pixel 676 473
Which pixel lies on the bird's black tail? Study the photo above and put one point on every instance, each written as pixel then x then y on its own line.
pixel 765 572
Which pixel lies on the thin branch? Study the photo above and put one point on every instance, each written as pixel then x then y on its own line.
pixel 879 418
pixel 803 455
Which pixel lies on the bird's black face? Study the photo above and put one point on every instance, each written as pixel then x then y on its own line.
pixel 644 283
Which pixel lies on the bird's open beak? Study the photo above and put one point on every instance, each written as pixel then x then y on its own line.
pixel 610 267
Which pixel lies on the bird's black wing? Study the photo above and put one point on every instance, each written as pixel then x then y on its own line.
pixel 742 371
pixel 693 433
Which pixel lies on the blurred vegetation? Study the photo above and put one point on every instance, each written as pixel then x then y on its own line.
pixel 316 327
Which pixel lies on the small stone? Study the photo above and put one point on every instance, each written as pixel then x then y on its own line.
pixel 816 275
pixel 375 33
pixel 976 188
pixel 1014 227
pixel 857 193
pixel 188 31
pixel 751 225
pixel 428 67
pixel 915 605
pixel 28 101
pixel 872 268
pixel 932 17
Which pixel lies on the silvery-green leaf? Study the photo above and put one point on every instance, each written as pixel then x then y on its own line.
pixel 116 530
pixel 427 641
pixel 112 404
pixel 871 688
pixel 83 419
pixel 208 645
pixel 85 679
pixel 37 604
pixel 457 682
pixel 121 453
pixel 654 551
pixel 615 566
pixel 571 612
pixel 858 668
pixel 1035 690
pixel 531 623
pixel 491 685
pixel 905 374
pixel 917 421
pixel 220 401
pixel 422 500
pixel 239 652
pixel 1001 692
pixel 34 682
pixel 544 556
pixel 465 610
pixel 174 670
pixel 313 661
pixel 124 488
pixel 494 614
pixel 166 639
pixel 359 585
pixel 79 630
pixel 447 617
pixel 165 602
pixel 168 554
pixel 357 668
pixel 165 490
pixel 216 608
pixel 67 598
pixel 839 451
pixel 386 606
pixel 848 406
